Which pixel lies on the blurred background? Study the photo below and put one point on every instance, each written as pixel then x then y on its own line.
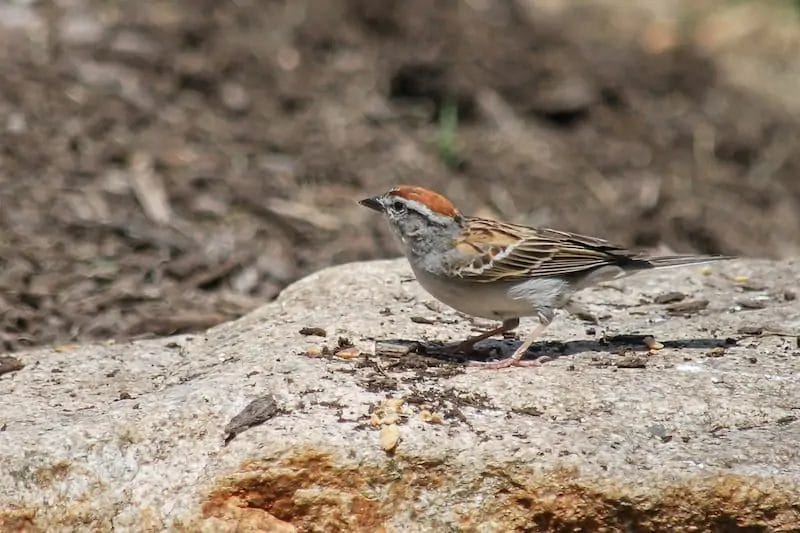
pixel 168 165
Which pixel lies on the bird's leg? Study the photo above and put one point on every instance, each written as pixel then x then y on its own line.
pixel 516 357
pixel 467 345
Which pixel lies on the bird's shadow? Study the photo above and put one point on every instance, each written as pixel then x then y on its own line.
pixel 495 348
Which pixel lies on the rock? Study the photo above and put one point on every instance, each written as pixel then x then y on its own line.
pixel 131 436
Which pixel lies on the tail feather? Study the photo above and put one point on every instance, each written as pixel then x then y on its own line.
pixel 681 260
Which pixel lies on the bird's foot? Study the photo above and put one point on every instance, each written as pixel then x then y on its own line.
pixel 514 360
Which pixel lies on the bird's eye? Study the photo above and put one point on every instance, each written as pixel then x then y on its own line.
pixel 398 206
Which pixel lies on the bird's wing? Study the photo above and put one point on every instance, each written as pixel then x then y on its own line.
pixel 509 252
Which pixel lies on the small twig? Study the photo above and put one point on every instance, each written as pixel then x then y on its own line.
pixel 149 189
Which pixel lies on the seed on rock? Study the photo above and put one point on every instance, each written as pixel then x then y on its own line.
pixel 429 417
pixel 719 351
pixel 390 438
pixel 652 343
pixel 348 353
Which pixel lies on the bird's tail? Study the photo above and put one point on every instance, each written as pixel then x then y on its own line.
pixel 681 260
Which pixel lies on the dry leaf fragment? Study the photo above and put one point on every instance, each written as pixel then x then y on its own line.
pixel 255 413
pixel 390 437
pixel 313 331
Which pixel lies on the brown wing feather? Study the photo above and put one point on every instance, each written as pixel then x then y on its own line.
pixel 511 252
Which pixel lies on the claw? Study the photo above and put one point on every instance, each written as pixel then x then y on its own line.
pixel 519 353
pixel 510 361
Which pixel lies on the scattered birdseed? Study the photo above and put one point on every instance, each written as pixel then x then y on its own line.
pixel 389 438
pixel 389 411
pixel 719 351
pixel 429 417
pixel 314 352
pixel 348 353
pixel 395 404
pixel 652 343
pixel 390 419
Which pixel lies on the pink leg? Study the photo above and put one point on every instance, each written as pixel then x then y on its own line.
pixel 516 358
pixel 468 344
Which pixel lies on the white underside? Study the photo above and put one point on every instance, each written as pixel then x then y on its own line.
pixel 502 300
pixel 498 301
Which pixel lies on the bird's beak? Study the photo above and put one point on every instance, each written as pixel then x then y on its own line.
pixel 373 203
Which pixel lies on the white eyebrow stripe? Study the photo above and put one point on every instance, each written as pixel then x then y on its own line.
pixel 427 212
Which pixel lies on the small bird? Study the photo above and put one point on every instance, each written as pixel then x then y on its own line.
pixel 502 271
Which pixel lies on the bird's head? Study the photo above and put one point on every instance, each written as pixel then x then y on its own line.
pixel 418 216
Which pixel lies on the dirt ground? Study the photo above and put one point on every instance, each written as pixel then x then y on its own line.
pixel 169 165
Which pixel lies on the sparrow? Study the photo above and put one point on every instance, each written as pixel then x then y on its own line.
pixel 502 271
